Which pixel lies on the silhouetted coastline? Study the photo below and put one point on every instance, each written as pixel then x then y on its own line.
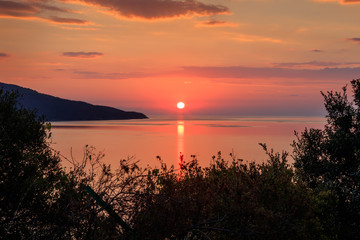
pixel 59 109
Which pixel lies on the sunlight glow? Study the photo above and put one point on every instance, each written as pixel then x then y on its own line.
pixel 180 105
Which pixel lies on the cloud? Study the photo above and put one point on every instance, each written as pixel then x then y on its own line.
pixel 350 1
pixel 216 23
pixel 67 20
pixel 239 72
pixel 82 54
pixel 156 9
pixel 130 9
pixel 4 55
pixel 36 10
pixel 17 9
pixel 317 50
pixel 251 38
pixel 357 40
pixel 315 64
pixel 52 8
pixel 327 0
pixel 340 1
pixel 101 75
pixel 78 28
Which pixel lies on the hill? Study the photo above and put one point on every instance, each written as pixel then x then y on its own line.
pixel 59 109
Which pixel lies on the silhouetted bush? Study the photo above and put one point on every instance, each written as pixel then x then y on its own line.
pixel 329 161
pixel 228 200
pixel 38 199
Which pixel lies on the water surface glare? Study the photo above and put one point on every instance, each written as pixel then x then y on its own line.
pixel 146 139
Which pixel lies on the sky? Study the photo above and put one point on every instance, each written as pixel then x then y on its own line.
pixel 231 57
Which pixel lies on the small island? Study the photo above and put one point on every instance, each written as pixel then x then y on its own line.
pixel 59 109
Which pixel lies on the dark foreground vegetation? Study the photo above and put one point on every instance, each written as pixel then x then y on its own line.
pixel 316 198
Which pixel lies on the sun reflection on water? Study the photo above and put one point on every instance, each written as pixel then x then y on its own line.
pixel 180 138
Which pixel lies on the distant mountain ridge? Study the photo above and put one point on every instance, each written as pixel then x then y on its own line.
pixel 59 109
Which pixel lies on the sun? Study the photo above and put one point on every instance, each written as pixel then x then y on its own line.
pixel 180 105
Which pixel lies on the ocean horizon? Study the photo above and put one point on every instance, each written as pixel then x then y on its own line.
pixel 169 136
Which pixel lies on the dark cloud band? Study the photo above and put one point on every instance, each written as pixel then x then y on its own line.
pixel 67 20
pixel 144 9
pixel 157 9
pixel 354 40
pixel 315 64
pixel 214 22
pixel 351 1
pixel 17 9
pixel 52 8
pixel 35 10
pixel 82 54
pixel 3 55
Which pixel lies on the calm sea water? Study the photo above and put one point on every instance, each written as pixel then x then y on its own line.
pixel 167 137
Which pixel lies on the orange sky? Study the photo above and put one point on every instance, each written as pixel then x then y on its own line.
pixel 242 57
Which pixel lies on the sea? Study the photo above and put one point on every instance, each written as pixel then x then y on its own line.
pixel 169 137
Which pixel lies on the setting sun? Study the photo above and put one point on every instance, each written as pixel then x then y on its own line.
pixel 180 105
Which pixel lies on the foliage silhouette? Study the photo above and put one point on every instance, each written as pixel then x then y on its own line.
pixel 29 171
pixel 228 200
pixel 38 199
pixel 329 161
